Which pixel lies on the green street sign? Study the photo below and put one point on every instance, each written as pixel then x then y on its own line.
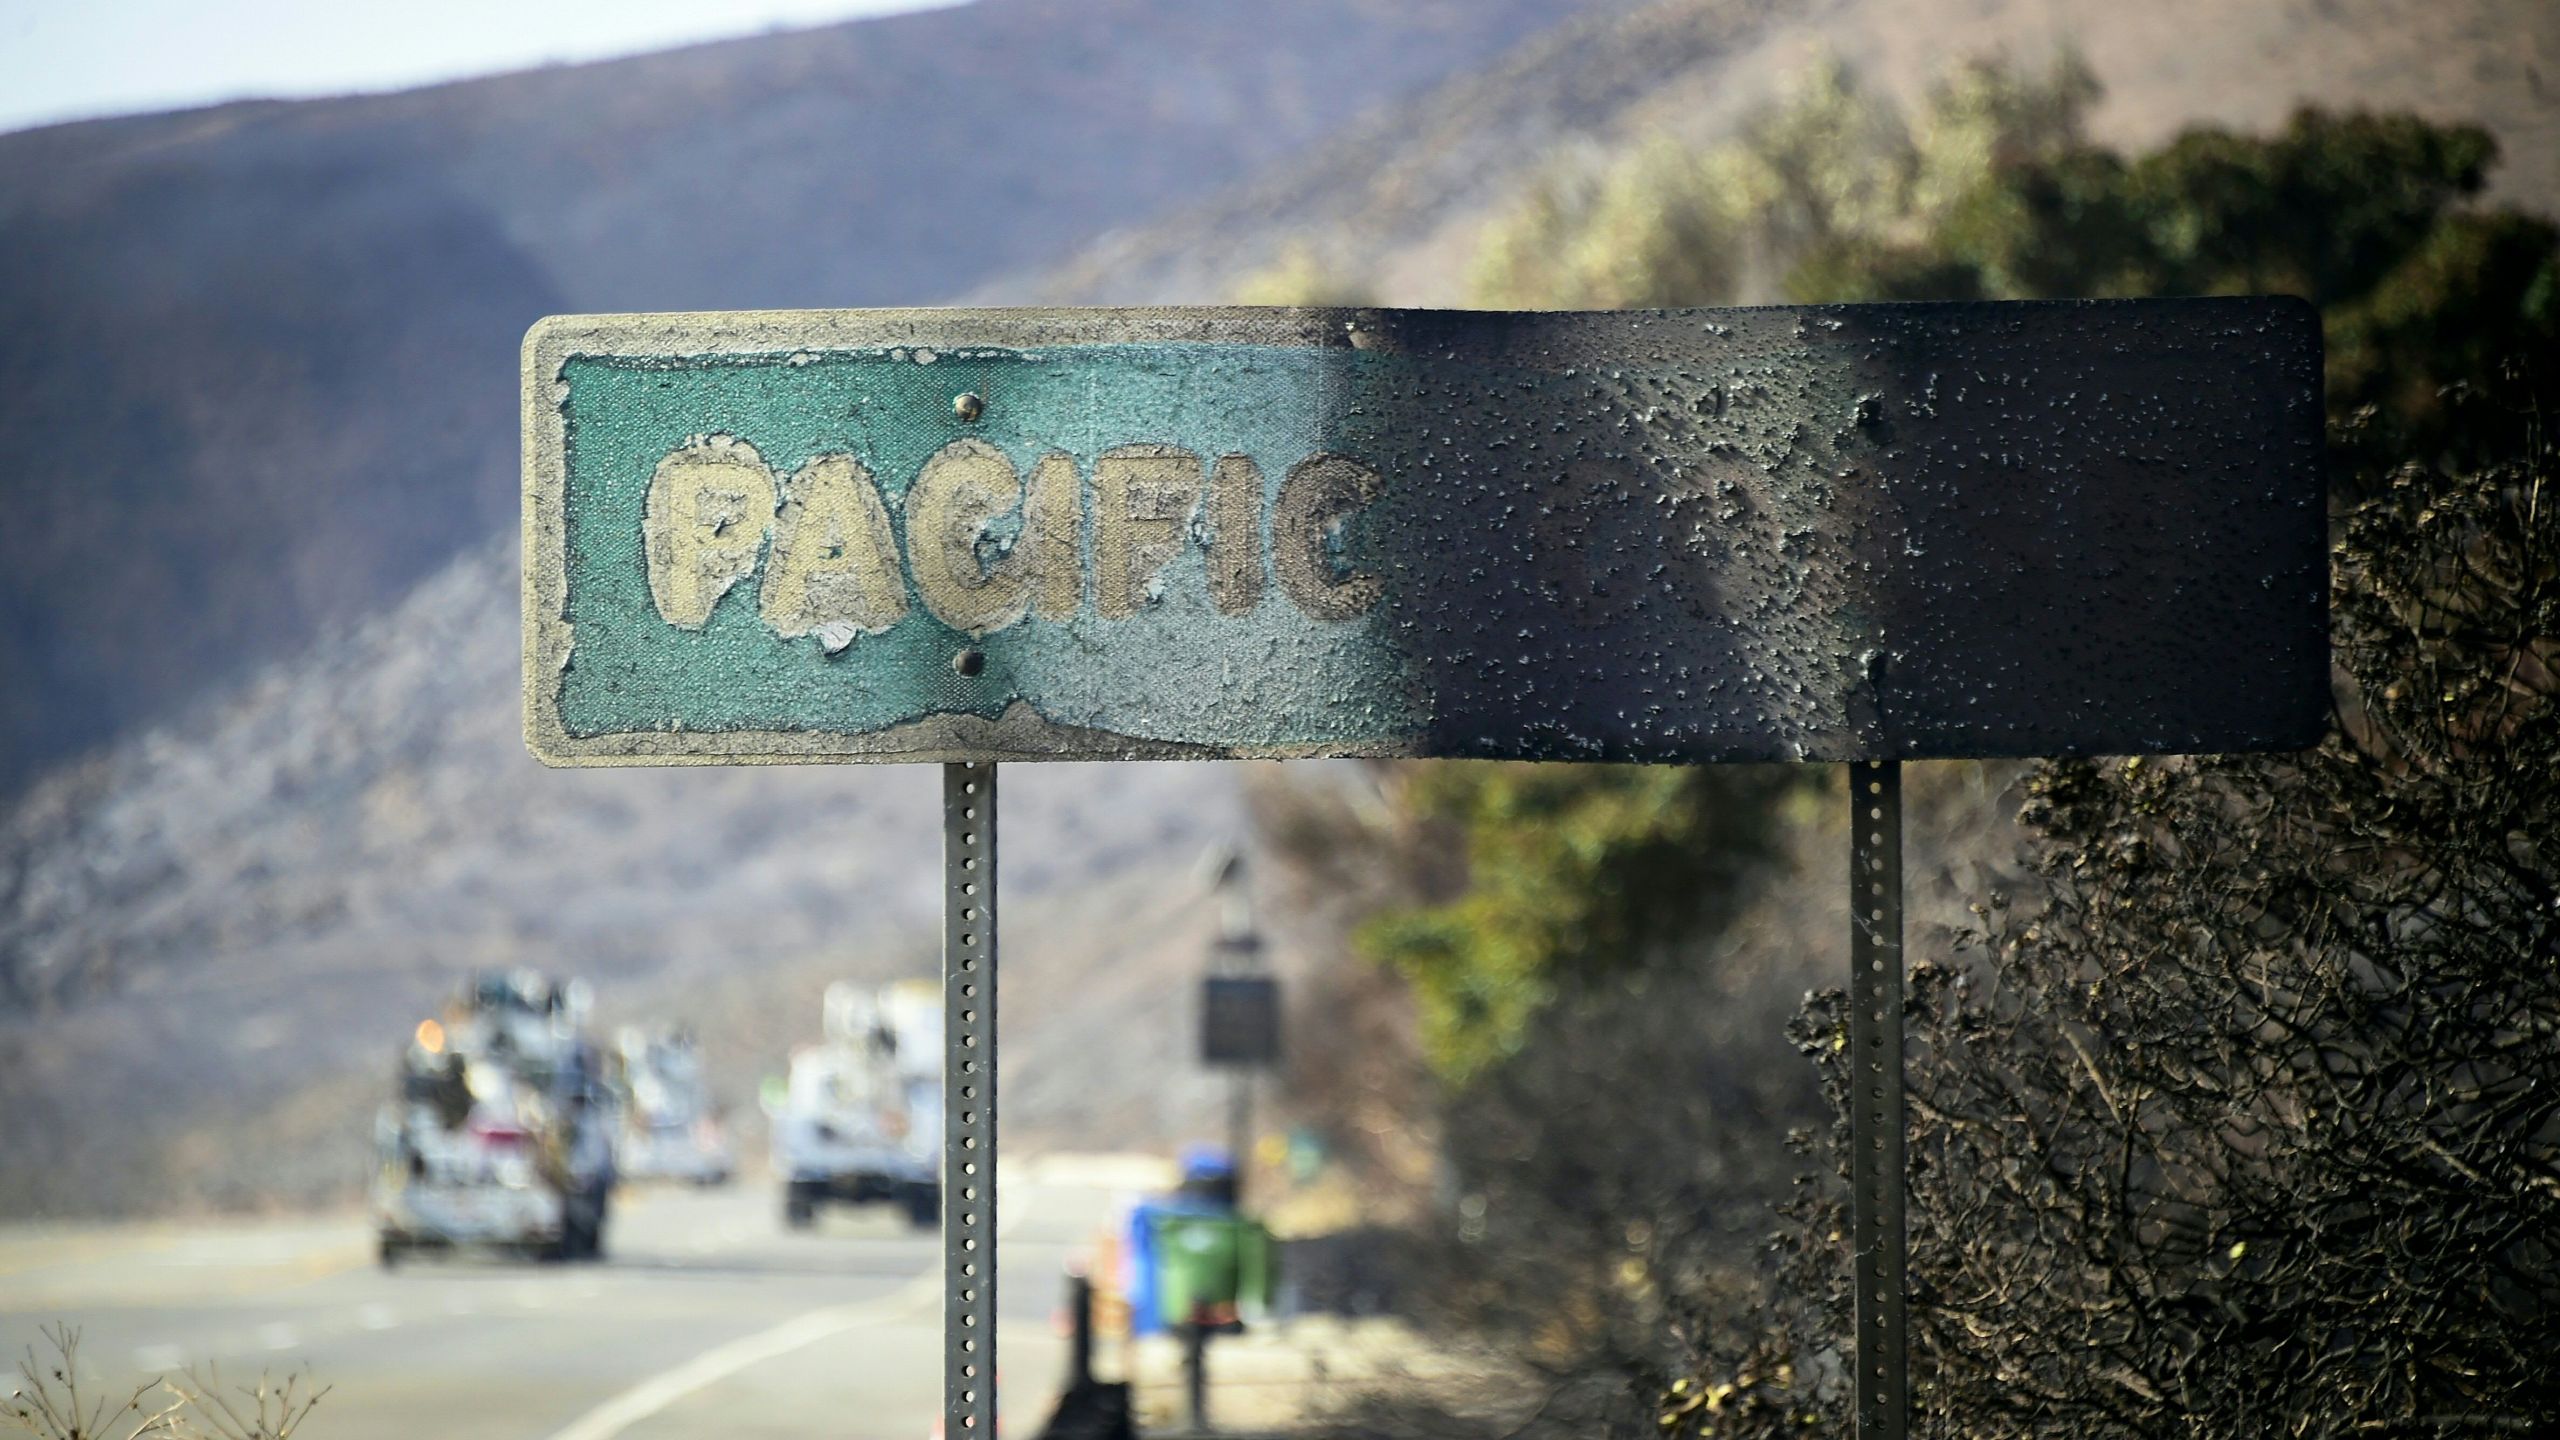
pixel 1821 533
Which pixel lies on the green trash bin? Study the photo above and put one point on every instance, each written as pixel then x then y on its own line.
pixel 1216 1267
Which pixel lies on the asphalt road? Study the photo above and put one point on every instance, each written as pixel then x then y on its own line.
pixel 707 1319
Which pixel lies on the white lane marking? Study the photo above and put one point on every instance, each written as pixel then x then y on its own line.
pixel 158 1357
pixel 460 1305
pixel 712 1366
pixel 376 1316
pixel 240 1251
pixel 278 1336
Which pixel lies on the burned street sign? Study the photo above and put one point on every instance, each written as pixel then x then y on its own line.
pixel 1864 533
pixel 1820 533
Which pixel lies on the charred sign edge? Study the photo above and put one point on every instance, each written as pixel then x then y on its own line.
pixel 1021 733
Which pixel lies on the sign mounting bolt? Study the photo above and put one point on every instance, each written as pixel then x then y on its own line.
pixel 968 406
pixel 969 661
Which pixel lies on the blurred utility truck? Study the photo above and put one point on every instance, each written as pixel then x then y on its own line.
pixel 859 1121
pixel 501 1136
pixel 671 1127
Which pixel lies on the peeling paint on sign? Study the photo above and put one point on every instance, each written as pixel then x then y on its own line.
pixel 1823 533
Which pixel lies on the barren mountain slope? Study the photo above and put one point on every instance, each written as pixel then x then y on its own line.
pixel 208 918
pixel 1394 203
pixel 213 932
pixel 256 361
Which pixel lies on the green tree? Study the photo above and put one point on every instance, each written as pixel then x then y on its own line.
pixel 1580 873
pixel 2243 1121
pixel 1833 171
pixel 1574 875
pixel 2367 216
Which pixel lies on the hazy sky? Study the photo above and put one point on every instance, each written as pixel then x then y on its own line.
pixel 71 59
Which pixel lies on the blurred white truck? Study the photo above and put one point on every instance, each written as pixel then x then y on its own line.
pixel 859 1120
pixel 671 1127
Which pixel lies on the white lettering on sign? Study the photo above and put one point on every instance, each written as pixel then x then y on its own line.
pixel 1317 498
pixel 834 569
pixel 709 505
pixel 1235 534
pixel 960 492
pixel 984 548
pixel 1142 495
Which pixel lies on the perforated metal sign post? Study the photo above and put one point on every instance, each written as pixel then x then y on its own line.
pixel 1831 533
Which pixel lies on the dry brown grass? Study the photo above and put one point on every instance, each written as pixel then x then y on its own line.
pixel 50 1402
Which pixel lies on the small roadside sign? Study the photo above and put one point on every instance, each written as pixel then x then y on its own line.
pixel 1806 534
pixel 1240 1022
